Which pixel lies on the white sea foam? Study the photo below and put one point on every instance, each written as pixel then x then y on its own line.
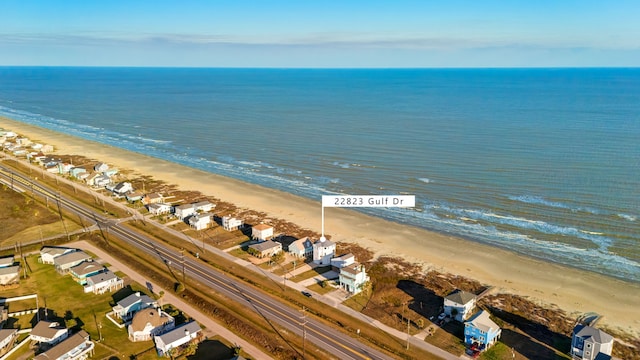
pixel 425 180
pixel 628 217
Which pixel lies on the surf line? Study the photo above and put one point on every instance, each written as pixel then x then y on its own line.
pixel 365 201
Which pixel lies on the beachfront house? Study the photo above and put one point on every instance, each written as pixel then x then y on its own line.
pixel 110 172
pixel 159 208
pixel 323 251
pixel 103 282
pixel 10 275
pixel 101 167
pixel 23 141
pixel 101 181
pixel 589 343
pixel 153 198
pixel 127 307
pixel 121 188
pixel 64 168
pixel 262 232
pixel 7 339
pixel 184 211
pixel 480 332
pixel 343 260
pixel 301 248
pixel 90 180
pixel 230 223
pixel 459 305
pixel 75 347
pixel 134 196
pixel 204 206
pixel 148 323
pixel 48 253
pixel 48 332
pixel 352 278
pixel 177 338
pixel 265 249
pixel 201 221
pixel 65 262
pixel 84 270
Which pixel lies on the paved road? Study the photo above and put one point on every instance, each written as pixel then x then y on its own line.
pixel 324 337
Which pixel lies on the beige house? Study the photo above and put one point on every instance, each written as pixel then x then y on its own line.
pixel 9 275
pixel 262 232
pixel 266 248
pixel 148 323
pixel 75 347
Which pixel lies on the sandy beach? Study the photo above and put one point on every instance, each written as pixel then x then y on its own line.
pixel 572 290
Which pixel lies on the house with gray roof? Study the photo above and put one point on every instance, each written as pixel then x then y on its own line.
pixel 9 275
pixel 589 343
pixel 301 248
pixel 127 307
pixel 7 261
pixel 459 305
pixel 266 248
pixel 323 251
pixel 177 337
pixel 48 332
pixel 103 282
pixel 75 347
pixel 7 339
pixel 65 262
pixel 480 332
pixel 48 253
pixel 85 269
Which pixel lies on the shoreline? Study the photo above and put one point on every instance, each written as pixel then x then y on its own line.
pixel 550 284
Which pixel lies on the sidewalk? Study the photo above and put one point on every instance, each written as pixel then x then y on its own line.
pixel 212 327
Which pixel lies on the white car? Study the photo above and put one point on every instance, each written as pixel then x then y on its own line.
pixel 442 316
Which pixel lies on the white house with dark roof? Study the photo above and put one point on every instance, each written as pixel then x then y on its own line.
pixel 589 343
pixel 262 232
pixel 9 275
pixel 48 253
pixel 353 277
pixel 201 221
pixel 101 167
pixel 480 332
pixel 230 223
pixel 176 337
pixel 323 251
pixel 301 248
pixel 127 307
pixel 148 323
pixel 159 208
pixel 184 211
pixel 103 282
pixel 65 262
pixel 48 332
pixel 459 305
pixel 75 347
pixel 266 248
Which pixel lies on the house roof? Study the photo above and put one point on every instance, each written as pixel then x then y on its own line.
pixel 53 251
pixel 482 321
pixel 154 196
pixel 86 267
pixel 597 335
pixel 6 261
pixel 203 203
pixel 148 316
pixel 353 269
pixel 5 333
pixel 9 270
pixel 326 243
pixel 265 245
pixel 262 227
pixel 134 298
pixel 179 332
pixel 64 347
pixel 71 257
pixel 184 207
pixel 460 297
pixel 102 277
pixel 344 257
pixel 47 329
pixel 301 244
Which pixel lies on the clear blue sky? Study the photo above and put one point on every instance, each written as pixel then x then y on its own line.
pixel 327 33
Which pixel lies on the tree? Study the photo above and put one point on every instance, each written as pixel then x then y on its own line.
pixel 278 257
pixel 191 349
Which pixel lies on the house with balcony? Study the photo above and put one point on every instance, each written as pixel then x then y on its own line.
pixel 159 208
pixel 459 305
pixel 127 307
pixel 301 248
pixel 148 323
pixel 84 270
pixel 352 278
pixel 48 253
pixel 64 263
pixel 201 221
pixel 48 332
pixel 7 339
pixel 184 211
pixel 103 282
pixel 177 337
pixel 323 251
pixel 343 260
pixel 480 332
pixel 75 347
pixel 230 223
pixel 265 249
pixel 589 343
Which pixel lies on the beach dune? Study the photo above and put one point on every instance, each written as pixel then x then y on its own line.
pixel 575 291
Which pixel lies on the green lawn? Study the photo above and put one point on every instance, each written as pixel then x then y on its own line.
pixel 67 303
pixel 311 273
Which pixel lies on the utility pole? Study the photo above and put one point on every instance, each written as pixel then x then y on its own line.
pixel 304 332
pixel 183 274
pixel 408 333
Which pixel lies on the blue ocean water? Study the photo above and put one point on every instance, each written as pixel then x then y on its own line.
pixel 545 162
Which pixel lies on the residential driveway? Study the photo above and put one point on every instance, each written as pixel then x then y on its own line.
pixel 329 275
pixel 212 327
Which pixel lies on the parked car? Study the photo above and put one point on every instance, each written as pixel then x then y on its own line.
pixel 306 293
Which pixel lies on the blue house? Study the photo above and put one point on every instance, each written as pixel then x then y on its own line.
pixel 480 331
